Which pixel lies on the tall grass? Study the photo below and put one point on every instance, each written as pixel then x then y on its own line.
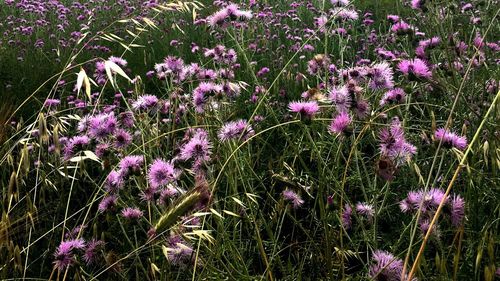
pixel 270 199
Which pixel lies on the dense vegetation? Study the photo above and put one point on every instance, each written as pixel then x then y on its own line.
pixel 278 140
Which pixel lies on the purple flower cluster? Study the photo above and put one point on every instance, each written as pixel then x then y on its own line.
pixel 235 130
pixel 394 145
pixel 229 13
pixel 428 201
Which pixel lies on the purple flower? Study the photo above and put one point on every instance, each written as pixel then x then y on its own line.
pixel 102 149
pixel 198 148
pixel 401 28
pixel 230 13
pixel 51 102
pixel 306 109
pixel 450 139
pixel 294 198
pixel 161 172
pixel 114 181
pixel 263 72
pixel 64 255
pixel 132 213
pixel 394 145
pixel 415 69
pixel 396 95
pixel 102 125
pixel 457 210
pixel 178 251
pixel 341 98
pixel 345 14
pixel 340 2
pixel 202 92
pixel 126 119
pixel 235 130
pixel 107 203
pixel 347 216
pixel 119 61
pixel 122 138
pixel 93 247
pixel 417 4
pixel 365 210
pixel 131 165
pixel 381 76
pixel 75 144
pixel 385 267
pixel 173 68
pixel 145 103
pixel 340 123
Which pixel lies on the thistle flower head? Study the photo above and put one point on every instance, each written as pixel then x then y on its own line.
pixel 91 250
pixel 131 164
pixel 235 130
pixel 161 173
pixel 340 123
pixel 294 198
pixel 415 69
pixel 107 203
pixel 132 213
pixel 385 267
pixel 198 148
pixel 450 139
pixel 65 255
pixel 306 109
pixel 365 210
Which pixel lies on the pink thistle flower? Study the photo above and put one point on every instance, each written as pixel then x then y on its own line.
pixel 340 98
pixel 415 69
pixel 114 181
pixel 385 266
pixel 234 130
pixel 122 138
pixel 75 144
pixel 306 109
pixel 167 193
pixel 450 139
pixel 340 123
pixel 344 14
pixel 178 251
pixel 340 2
pixel 132 213
pixel 396 95
pixel 401 28
pixel 161 173
pixel 293 197
pixel 145 103
pixel 93 247
pixel 202 92
pixel 381 76
pixel 51 102
pixel 365 210
pixel 102 125
pixel 131 165
pixel 198 148
pixel 107 203
pixel 64 255
pixel 394 145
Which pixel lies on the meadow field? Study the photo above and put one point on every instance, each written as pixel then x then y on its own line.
pixel 250 140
